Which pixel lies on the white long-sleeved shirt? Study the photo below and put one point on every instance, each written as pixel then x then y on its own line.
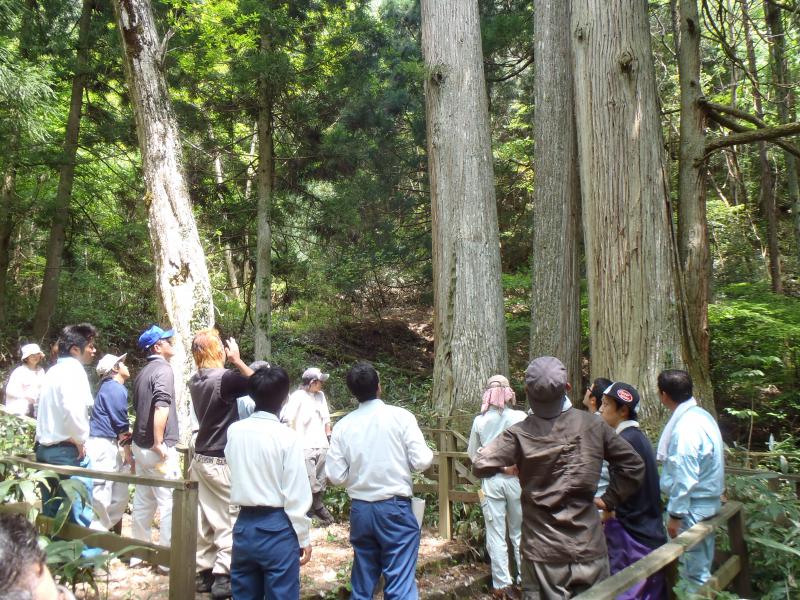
pixel 268 469
pixel 308 414
pixel 63 403
pixel 373 451
pixel 23 389
pixel 489 425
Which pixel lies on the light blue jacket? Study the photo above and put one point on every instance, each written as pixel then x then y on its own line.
pixel 694 470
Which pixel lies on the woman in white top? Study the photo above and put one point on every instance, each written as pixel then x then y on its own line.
pixel 22 389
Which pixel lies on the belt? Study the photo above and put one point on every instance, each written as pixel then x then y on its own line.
pixel 210 460
pixel 64 444
pixel 260 510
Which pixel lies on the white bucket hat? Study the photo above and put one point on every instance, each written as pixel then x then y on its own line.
pixel 29 350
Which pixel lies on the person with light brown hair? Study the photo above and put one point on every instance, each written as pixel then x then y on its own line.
pixel 215 390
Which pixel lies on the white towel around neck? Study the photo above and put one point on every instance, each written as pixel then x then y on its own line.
pixel 666 435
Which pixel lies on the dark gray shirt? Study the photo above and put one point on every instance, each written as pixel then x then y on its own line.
pixel 154 387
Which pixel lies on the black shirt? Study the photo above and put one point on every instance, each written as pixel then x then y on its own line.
pixel 214 393
pixel 153 387
pixel 642 514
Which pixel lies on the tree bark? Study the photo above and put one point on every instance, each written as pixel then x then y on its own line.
pixel 766 194
pixel 693 244
pixel 555 306
pixel 784 97
pixel 264 186
pixel 182 280
pixel 630 255
pixel 48 296
pixel 469 326
pixel 7 193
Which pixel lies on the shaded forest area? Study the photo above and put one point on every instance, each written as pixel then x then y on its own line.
pixel 340 181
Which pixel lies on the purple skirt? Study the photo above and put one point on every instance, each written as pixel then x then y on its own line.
pixel 623 551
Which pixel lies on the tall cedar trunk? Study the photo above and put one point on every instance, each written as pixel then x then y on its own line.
pixel 248 192
pixel 630 256
pixel 230 266
pixel 469 327
pixel 766 194
pixel 264 184
pixel 7 193
pixel 55 242
pixel 181 275
pixel 555 308
pixel 784 99
pixel 693 243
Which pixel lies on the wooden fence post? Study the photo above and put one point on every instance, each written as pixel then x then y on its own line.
pixel 445 515
pixel 182 561
pixel 736 528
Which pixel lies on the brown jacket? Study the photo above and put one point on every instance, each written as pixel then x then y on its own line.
pixel 559 464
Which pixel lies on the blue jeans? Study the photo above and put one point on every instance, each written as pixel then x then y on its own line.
pixel 266 556
pixel 53 494
pixel 385 538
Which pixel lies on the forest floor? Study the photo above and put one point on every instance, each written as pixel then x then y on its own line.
pixel 445 570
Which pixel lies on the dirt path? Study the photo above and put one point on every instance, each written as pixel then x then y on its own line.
pixel 440 567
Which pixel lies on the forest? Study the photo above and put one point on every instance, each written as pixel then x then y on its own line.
pixel 445 189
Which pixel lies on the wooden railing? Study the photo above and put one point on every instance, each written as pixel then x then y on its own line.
pixel 735 569
pixel 179 557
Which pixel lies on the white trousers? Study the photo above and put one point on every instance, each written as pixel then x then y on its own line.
pixel 501 505
pixel 147 499
pixel 109 498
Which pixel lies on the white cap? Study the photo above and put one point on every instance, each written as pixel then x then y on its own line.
pixel 30 349
pixel 108 362
pixel 313 373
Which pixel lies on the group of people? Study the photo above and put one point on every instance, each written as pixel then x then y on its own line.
pixel 577 492
pixel 580 491
pixel 262 459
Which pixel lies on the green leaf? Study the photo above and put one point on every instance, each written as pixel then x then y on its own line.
pixel 773 544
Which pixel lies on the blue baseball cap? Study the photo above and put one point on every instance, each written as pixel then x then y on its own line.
pixel 152 335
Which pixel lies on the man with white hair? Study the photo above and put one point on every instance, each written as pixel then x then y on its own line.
pixel 306 412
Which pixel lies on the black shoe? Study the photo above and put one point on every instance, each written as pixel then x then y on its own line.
pixel 203 580
pixel 324 516
pixel 221 587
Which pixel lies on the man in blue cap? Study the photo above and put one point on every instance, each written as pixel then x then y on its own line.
pixel 155 434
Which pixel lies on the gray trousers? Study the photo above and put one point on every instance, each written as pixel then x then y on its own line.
pixel 559 581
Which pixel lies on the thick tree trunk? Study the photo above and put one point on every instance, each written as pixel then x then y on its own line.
pixel 784 98
pixel 693 241
pixel 55 243
pixel 766 194
pixel 630 257
pixel 469 326
pixel 555 308
pixel 264 186
pixel 181 275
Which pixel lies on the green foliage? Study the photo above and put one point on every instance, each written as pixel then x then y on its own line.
pixel 754 356
pixel 773 535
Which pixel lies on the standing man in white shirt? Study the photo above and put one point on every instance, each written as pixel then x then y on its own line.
pixel 307 413
pixel 372 453
pixel 500 501
pixel 62 424
pixel 269 483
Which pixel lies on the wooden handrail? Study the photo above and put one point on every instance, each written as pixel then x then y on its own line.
pixel 175 484
pixel 667 554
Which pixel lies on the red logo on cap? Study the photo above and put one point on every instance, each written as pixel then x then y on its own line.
pixel 625 395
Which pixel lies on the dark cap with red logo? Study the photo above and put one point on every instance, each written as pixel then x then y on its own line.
pixel 624 393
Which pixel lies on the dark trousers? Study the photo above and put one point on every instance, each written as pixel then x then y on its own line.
pixel 53 493
pixel 385 538
pixel 266 556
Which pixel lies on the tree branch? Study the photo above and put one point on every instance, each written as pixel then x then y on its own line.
pixel 731 110
pixel 714 114
pixel 748 136
pixel 787 7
